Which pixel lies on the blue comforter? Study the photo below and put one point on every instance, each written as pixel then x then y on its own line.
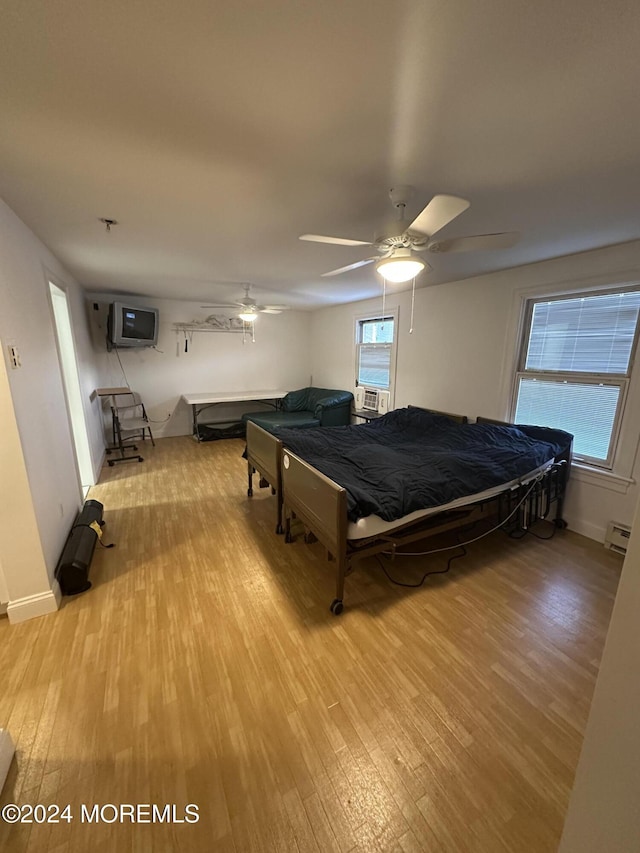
pixel 411 459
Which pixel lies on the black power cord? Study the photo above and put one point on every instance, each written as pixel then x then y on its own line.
pixel 461 545
pixel 426 574
pixel 521 532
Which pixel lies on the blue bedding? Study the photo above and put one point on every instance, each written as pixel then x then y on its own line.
pixel 412 459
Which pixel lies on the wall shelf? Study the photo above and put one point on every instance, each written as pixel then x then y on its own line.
pixel 224 324
pixel 229 325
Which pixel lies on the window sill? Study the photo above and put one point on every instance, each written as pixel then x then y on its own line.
pixel 603 479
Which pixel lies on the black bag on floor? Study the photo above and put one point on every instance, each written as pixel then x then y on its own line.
pixel 208 433
pixel 72 571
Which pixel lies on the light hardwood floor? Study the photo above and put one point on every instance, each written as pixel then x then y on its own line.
pixel 204 667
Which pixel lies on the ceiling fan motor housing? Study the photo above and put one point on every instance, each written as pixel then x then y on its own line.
pixel 394 235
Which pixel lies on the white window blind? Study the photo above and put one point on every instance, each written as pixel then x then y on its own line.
pixel 575 368
pixel 586 411
pixel 591 334
pixel 375 352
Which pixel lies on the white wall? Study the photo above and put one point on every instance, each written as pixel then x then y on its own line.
pixel 461 358
pixel 36 391
pixel 215 361
pixel 24 572
pixel 603 813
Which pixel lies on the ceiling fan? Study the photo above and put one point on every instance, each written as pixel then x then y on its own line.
pixel 399 240
pixel 249 309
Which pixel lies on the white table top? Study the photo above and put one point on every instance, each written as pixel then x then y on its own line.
pixel 232 397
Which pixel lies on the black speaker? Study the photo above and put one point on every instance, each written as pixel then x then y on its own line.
pixel 72 571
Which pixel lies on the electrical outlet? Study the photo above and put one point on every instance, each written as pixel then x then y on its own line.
pixel 14 356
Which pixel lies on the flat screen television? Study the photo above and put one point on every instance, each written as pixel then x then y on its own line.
pixel 132 326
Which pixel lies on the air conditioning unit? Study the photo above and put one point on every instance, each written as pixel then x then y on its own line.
pixel 372 399
pixel 617 537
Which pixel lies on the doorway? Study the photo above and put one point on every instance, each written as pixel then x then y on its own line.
pixel 71 382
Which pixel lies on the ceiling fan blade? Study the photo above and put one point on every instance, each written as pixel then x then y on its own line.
pixel 338 241
pixel 441 210
pixel 350 267
pixel 272 309
pixel 479 241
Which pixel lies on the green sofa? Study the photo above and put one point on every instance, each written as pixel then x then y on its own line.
pixel 307 407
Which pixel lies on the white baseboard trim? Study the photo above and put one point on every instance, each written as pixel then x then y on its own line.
pixel 34 605
pixel 7 751
pixel 591 531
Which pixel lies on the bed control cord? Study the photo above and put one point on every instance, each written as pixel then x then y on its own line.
pixel 457 545
pixel 520 534
pixel 426 574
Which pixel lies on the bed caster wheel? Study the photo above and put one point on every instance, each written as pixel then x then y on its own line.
pixel 560 523
pixel 279 529
pixel 140 459
pixel 336 606
pixel 110 463
pixel 249 493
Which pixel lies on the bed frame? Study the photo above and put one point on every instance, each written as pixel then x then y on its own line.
pixel 264 457
pixel 305 494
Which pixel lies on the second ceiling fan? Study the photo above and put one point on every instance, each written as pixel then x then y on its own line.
pixel 247 308
pixel 397 242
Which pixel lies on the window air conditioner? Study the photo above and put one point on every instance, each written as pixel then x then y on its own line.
pixel 372 400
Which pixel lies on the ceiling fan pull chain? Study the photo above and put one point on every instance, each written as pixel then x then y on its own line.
pixel 413 299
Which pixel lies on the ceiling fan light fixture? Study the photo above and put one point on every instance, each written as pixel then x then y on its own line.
pixel 248 316
pixel 400 266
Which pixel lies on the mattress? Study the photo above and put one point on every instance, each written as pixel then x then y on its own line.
pixel 411 460
pixel 372 525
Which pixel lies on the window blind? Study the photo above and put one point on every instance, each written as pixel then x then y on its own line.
pixel 590 334
pixel 376 331
pixel 375 341
pixel 374 365
pixel 587 410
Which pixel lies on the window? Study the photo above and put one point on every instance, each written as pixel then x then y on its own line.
pixel 375 351
pixel 575 366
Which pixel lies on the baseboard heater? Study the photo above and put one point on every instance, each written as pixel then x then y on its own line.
pixel 72 571
pixel 617 537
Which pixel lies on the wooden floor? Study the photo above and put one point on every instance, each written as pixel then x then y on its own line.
pixel 205 668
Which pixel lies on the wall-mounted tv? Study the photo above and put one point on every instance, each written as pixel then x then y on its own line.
pixel 132 326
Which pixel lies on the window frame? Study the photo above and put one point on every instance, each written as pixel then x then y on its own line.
pixel 373 316
pixel 619 380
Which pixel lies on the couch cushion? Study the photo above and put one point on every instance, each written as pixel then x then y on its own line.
pixel 273 420
pixel 296 401
pixel 310 398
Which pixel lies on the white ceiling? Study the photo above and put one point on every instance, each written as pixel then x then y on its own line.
pixel 218 132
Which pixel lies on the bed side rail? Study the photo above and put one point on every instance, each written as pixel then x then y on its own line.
pixel 318 502
pixel 264 452
pixel 459 419
pixel 494 421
